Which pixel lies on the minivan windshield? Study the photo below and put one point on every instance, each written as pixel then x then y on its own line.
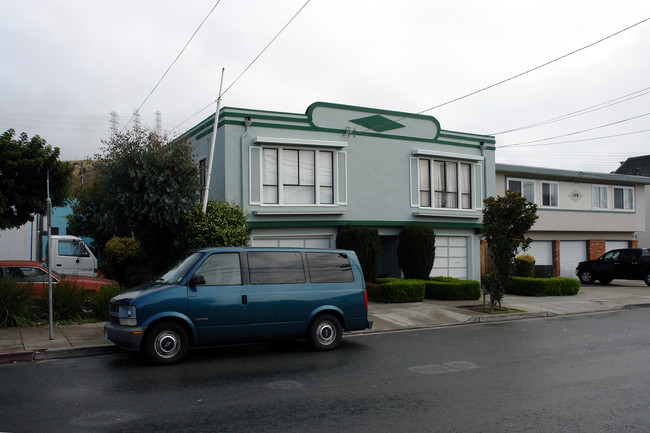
pixel 177 272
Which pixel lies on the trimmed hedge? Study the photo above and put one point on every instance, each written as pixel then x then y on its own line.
pixel 452 289
pixel 396 290
pixel 557 286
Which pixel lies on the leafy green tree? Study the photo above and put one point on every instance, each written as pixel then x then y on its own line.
pixel 366 243
pixel 145 186
pixel 89 219
pixel 506 220
pixel 222 225
pixel 416 250
pixel 24 166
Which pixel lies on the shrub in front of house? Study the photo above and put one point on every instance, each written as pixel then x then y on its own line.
pixel 416 250
pixel 396 290
pixel 557 286
pixel 524 265
pixel 366 243
pixel 452 289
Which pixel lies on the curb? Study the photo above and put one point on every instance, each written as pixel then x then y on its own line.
pixel 77 352
pixel 16 356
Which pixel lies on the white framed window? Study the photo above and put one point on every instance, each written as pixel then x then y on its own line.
pixel 526 188
pixel 444 184
pixel 550 193
pixel 297 176
pixel 599 197
pixel 623 198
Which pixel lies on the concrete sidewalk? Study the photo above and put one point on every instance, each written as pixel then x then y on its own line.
pixel 33 343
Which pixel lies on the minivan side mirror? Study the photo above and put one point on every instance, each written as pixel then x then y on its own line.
pixel 196 279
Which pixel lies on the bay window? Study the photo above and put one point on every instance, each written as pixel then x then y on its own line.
pixel 295 176
pixel 444 184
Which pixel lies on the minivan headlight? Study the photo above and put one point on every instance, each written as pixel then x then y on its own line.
pixel 127 316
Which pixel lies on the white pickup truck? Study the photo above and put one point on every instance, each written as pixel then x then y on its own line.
pixel 71 256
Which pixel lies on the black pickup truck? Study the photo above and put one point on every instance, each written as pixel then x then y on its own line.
pixel 623 264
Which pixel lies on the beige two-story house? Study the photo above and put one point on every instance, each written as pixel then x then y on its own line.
pixel 581 214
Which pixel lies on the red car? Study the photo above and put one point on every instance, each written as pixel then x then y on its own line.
pixel 25 271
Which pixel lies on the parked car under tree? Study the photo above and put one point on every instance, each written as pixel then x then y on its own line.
pixel 622 264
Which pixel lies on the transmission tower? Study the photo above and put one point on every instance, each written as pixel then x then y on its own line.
pixel 136 120
pixel 159 122
pixel 113 122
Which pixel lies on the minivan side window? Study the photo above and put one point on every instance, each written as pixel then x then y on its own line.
pixel 329 268
pixel 221 270
pixel 275 267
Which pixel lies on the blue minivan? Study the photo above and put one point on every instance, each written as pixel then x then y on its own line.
pixel 220 295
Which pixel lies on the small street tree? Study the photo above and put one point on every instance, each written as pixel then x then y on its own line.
pixel 506 220
pixel 24 165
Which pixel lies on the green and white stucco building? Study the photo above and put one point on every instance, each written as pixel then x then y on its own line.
pixel 300 177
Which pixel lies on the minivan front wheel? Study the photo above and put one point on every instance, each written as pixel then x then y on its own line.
pixel 166 343
pixel 325 332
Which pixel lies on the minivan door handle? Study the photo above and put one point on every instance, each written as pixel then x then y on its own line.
pixel 244 299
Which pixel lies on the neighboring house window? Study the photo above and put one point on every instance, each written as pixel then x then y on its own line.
pixel 203 170
pixel 452 184
pixel 526 188
pixel 599 197
pixel 297 176
pixel 623 198
pixel 550 192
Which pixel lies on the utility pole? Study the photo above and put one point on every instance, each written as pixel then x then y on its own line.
pixel 206 191
pixel 49 258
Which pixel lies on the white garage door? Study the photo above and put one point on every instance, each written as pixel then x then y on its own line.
pixel 451 257
pixel 293 242
pixel 542 251
pixel 616 245
pixel 571 253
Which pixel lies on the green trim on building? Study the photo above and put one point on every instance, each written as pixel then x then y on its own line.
pixel 331 223
pixel 303 122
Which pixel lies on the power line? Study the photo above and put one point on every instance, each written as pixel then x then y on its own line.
pixel 175 60
pixel 535 68
pixel 250 64
pixel 266 47
pixel 574 141
pixel 591 109
pixel 574 133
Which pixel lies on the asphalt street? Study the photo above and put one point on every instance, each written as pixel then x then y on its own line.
pixel 576 373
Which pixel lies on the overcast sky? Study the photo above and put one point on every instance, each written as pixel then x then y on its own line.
pixel 66 64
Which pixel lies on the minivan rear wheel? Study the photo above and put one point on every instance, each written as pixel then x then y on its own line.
pixel 166 343
pixel 325 332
